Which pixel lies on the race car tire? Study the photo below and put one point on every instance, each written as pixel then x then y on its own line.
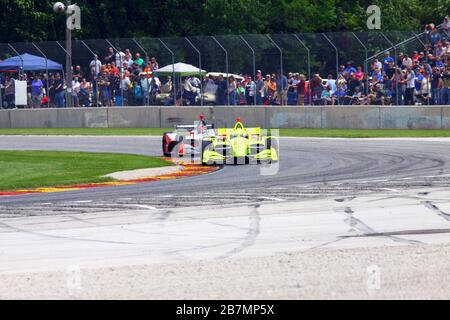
pixel 272 143
pixel 166 154
pixel 205 144
pixel 255 149
pixel 174 147
pixel 171 147
pixel 241 160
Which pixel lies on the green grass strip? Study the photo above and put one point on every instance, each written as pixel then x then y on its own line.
pixel 33 169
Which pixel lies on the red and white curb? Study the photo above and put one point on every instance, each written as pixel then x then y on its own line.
pixel 188 170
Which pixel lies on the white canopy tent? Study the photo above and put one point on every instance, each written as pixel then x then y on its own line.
pixel 216 74
pixel 180 70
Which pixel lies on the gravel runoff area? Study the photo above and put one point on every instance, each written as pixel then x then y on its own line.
pixel 413 272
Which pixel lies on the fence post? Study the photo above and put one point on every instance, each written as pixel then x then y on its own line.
pixel 281 53
pixel 46 70
pixel 141 48
pixel 120 69
pixel 226 66
pixel 18 54
pixel 446 33
pixel 392 46
pixel 94 76
pixel 68 94
pixel 309 65
pixel 146 58
pixel 253 60
pixel 428 77
pixel 20 57
pixel 281 66
pixel 366 67
pixel 395 61
pixel 173 71
pixel 199 66
pixel 337 59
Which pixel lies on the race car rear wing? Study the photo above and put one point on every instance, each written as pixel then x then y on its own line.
pixel 192 127
pixel 249 131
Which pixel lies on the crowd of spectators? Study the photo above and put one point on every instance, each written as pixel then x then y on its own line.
pixel 416 78
pixel 119 79
pixel 122 78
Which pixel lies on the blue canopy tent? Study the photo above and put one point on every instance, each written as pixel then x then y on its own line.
pixel 28 62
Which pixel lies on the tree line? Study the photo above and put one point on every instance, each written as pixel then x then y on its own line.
pixel 34 20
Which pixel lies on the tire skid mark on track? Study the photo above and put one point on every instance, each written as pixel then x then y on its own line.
pixel 252 233
pixel 46 235
pixel 365 230
pixel 250 196
pixel 437 210
pixel 350 167
pixel 399 233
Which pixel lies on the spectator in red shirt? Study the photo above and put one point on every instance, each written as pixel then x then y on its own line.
pixel 415 57
pixel 301 90
pixel 113 70
pixel 359 74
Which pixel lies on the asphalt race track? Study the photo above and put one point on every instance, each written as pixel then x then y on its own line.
pixel 304 162
pixel 334 210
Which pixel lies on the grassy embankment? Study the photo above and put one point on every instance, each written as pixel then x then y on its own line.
pixel 32 169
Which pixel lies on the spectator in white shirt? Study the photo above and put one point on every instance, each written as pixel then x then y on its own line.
pixel 446 24
pixel 210 86
pixel 187 85
pixel 331 83
pixel 410 86
pixel 129 60
pixel 97 64
pixel 440 51
pixel 407 61
pixel 75 92
pixel 125 87
pixel 378 64
pixel 120 57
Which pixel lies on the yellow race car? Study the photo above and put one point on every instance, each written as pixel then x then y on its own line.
pixel 239 145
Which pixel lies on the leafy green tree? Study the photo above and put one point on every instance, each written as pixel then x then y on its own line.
pixel 34 20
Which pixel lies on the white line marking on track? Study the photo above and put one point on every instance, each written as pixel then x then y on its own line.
pixel 145 207
pixel 389 189
pixel 272 198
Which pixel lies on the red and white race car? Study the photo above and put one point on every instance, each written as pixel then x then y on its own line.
pixel 187 139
